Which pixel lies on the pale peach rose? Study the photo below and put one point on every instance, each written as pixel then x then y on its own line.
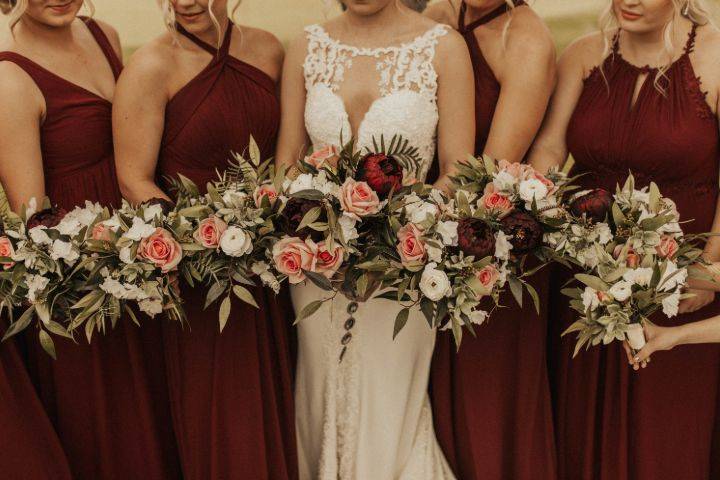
pixel 357 199
pixel 161 249
pixel 209 232
pixel 292 255
pixel 488 277
pixel 267 190
pixel 667 248
pixel 100 232
pixel 632 259
pixel 551 187
pixel 411 246
pixel 6 250
pixel 516 169
pixel 325 157
pixel 495 201
pixel 328 262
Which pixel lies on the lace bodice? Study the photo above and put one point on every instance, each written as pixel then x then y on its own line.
pixel 407 84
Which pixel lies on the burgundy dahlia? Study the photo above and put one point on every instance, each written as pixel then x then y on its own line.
pixel 293 213
pixel 595 204
pixel 476 238
pixel 524 232
pixel 49 218
pixel 381 172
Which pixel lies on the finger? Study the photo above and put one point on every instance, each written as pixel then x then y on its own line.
pixel 644 354
pixel 644 364
pixel 628 352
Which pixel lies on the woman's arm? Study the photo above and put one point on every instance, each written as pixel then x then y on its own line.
pixel 456 105
pixel 293 139
pixel 667 338
pixel 22 109
pixel 138 122
pixel 525 92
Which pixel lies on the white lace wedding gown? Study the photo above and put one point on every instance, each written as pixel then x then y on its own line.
pixel 367 417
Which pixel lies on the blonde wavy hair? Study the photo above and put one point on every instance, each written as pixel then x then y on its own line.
pixel 15 9
pixel 693 10
pixel 170 21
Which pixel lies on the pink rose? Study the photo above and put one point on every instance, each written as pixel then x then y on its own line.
pixel 518 170
pixel 267 190
pixel 327 156
pixel 328 262
pixel 100 232
pixel 667 248
pixel 209 232
pixel 6 250
pixel 161 249
pixel 495 201
pixel 632 259
pixel 545 181
pixel 488 277
pixel 411 246
pixel 358 200
pixel 293 255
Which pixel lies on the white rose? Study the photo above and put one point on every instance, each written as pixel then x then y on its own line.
pixel 434 253
pixel 349 232
pixel 434 284
pixel 621 291
pixel 139 230
pixel 235 242
pixel 234 198
pixel 302 182
pixel 532 189
pixel 39 235
pixel 62 250
pixel 639 276
pixel 504 181
pixel 417 210
pixel 126 255
pixel 448 230
pixel 151 306
pixel 590 298
pixel 678 279
pixel 150 212
pixel 502 246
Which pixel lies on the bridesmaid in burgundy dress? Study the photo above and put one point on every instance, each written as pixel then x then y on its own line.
pixel 660 121
pixel 57 77
pixel 187 101
pixel 491 400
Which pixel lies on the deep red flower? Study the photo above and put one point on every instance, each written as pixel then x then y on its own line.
pixel 476 238
pixel 595 204
pixel 382 173
pixel 293 213
pixel 49 218
pixel 524 232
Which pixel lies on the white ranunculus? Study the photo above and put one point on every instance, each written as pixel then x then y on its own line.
pixel 62 250
pixel 448 230
pixel 621 291
pixel 150 212
pixel 347 224
pixel 434 283
pixel 678 279
pixel 302 182
pixel 35 285
pixel 39 235
pixel 502 246
pixel 126 255
pixel 235 242
pixel 602 230
pixel 234 198
pixel 151 306
pixel 139 230
pixel 671 303
pixel 590 298
pixel 504 181
pixel 532 188
pixel 639 276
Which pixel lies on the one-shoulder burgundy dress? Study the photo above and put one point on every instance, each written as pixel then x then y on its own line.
pixel 106 400
pixel 231 392
pixel 491 400
pixel 614 423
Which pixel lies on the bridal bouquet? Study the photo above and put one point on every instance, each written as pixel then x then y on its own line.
pixel 636 260
pixel 39 253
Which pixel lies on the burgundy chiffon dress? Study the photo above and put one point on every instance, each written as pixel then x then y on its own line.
pixel 491 400
pixel 231 392
pixel 106 400
pixel 611 422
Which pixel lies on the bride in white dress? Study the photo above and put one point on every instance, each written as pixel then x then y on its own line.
pixel 377 69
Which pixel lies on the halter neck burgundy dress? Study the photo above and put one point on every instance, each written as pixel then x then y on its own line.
pixel 108 410
pixel 231 392
pixel 613 423
pixel 491 400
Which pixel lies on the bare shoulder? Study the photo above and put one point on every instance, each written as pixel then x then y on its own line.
pixel 527 31
pixel 263 42
pixel 112 36
pixel 705 59
pixel 442 12
pixel 17 88
pixel 583 54
pixel 451 44
pixel 154 61
pixel 297 50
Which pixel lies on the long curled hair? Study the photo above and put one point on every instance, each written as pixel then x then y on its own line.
pixel 170 21
pixel 15 9
pixel 693 10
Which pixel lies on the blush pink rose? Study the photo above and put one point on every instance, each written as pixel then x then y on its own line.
pixel 516 169
pixel 667 248
pixel 488 277
pixel 495 201
pixel 6 250
pixel 267 190
pixel 325 157
pixel 357 199
pixel 551 187
pixel 209 232
pixel 100 232
pixel 329 261
pixel 293 255
pixel 632 259
pixel 411 246
pixel 161 249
